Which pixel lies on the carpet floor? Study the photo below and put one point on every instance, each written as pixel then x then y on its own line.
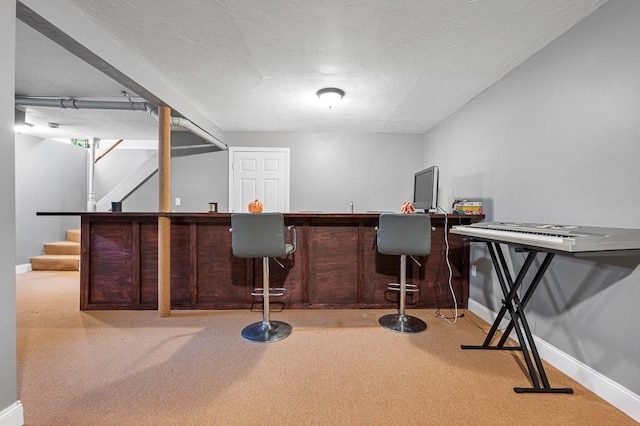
pixel 338 367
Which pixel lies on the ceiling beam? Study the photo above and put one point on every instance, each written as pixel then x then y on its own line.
pixel 64 24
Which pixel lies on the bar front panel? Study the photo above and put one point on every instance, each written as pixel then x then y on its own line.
pixel 336 264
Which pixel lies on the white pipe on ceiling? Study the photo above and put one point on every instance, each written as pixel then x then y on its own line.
pixel 190 126
pixel 120 105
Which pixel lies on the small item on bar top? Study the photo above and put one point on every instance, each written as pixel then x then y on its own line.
pixel 255 206
pixel 213 207
pixel 407 208
pixel 462 206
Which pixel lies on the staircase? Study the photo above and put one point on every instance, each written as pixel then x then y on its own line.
pixel 61 255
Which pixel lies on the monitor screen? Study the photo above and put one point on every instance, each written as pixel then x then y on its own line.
pixel 425 189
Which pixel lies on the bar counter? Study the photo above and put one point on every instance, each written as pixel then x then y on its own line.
pixel 336 264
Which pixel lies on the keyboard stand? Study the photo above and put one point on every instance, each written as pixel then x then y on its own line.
pixel 515 307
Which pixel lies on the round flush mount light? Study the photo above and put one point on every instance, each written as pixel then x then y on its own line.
pixel 330 95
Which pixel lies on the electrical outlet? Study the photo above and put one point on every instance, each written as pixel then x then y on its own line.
pixel 177 201
pixel 474 270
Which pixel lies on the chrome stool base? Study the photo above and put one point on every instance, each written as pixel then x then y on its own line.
pixel 270 331
pixel 402 323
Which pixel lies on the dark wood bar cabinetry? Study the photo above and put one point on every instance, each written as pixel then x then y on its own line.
pixel 336 264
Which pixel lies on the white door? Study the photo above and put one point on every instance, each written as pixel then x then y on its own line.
pixel 259 174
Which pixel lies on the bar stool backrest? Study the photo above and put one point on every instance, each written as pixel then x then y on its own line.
pixel 257 235
pixel 404 234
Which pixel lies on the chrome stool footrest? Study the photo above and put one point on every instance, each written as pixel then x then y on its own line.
pixel 273 291
pixel 409 288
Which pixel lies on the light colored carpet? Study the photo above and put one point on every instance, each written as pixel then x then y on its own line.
pixel 338 367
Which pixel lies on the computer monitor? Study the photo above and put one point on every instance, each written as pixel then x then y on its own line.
pixel 425 189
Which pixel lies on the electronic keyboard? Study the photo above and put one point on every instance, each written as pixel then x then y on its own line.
pixel 569 238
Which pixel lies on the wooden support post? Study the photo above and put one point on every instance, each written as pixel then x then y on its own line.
pixel 164 223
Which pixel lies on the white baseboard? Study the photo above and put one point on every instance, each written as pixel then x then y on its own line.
pixel 618 396
pixel 13 415
pixel 24 268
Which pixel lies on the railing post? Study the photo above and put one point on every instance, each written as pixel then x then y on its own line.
pixel 91 197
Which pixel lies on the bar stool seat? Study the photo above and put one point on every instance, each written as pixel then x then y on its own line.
pixel 403 235
pixel 262 235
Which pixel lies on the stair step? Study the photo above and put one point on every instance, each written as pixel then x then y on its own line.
pixel 62 247
pixel 55 262
pixel 73 235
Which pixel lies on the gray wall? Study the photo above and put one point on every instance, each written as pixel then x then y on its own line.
pixel 195 179
pixel 50 176
pixel 114 167
pixel 8 376
pixel 328 171
pixel 558 141
pixel 198 175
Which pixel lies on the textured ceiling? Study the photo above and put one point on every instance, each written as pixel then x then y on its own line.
pixel 255 65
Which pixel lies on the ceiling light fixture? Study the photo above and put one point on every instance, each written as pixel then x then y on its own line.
pixel 330 95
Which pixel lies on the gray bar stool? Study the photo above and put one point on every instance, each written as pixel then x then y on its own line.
pixel 262 235
pixel 403 235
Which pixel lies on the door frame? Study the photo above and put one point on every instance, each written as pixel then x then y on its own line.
pixel 232 151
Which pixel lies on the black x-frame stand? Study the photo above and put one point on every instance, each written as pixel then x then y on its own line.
pixel 515 307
